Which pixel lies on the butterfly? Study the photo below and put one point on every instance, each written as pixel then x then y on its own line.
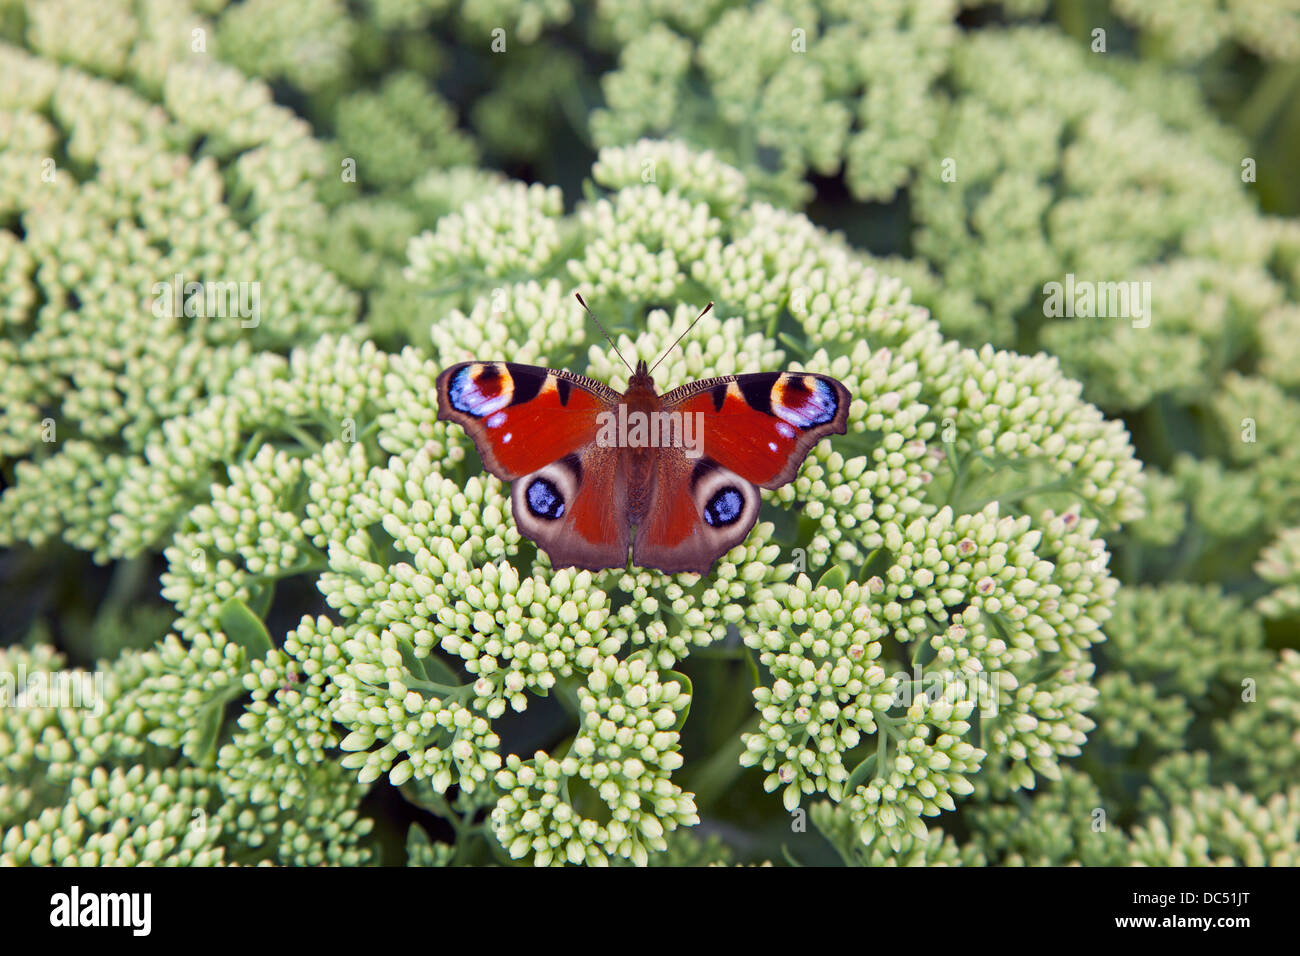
pixel 675 477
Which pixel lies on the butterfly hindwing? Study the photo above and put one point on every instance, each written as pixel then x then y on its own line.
pixel 762 426
pixel 576 509
pixel 698 511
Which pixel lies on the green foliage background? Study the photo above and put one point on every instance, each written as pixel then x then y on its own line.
pixel 320 638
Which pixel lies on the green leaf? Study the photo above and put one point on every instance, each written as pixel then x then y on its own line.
pixel 260 601
pixel 861 773
pixel 409 660
pixel 834 578
pixel 925 651
pixel 438 671
pixel 209 723
pixel 800 349
pixel 878 558
pixel 665 677
pixel 245 628
pixel 429 676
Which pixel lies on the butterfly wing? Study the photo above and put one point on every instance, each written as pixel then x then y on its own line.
pixel 762 426
pixel 698 511
pixel 570 495
pixel 757 430
pixel 536 428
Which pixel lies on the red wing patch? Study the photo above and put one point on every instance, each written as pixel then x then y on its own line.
pixel 521 417
pixel 762 426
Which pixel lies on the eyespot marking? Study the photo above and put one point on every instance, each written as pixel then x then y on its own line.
pixel 544 499
pixel 725 507
pixel 480 389
pixel 804 401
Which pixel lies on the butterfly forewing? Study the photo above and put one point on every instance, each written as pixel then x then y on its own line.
pixel 761 426
pixel 521 417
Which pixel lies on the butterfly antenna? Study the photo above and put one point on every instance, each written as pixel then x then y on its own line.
pixel 578 296
pixel 682 336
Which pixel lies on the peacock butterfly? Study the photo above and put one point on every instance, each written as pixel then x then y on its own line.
pixel 588 465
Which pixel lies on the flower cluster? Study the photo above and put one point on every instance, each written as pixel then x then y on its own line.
pixel 1279 564
pixel 222 319
pixel 783 91
pixel 143 311
pixel 1067 822
pixel 1222 826
pixel 122 818
pixel 445 621
pixel 1195 30
pixel 624 752
pixel 1260 737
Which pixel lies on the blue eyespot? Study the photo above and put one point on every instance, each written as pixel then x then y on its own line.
pixel 479 390
pixel 806 402
pixel 544 499
pixel 724 508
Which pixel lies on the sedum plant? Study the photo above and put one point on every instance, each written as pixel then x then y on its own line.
pixel 976 629
pixel 929 532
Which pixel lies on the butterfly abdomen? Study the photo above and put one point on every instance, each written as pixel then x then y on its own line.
pixel 638 460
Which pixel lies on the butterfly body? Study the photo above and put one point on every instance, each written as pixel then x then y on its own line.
pixel 674 476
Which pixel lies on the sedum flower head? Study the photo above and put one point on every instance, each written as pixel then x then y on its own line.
pixel 1279 564
pixel 624 753
pixel 304 43
pixel 1129 711
pixel 827 687
pixel 97 335
pixel 123 818
pixel 396 134
pixel 782 90
pixel 962 512
pixel 1188 635
pixel 1192 31
pixel 1067 822
pixel 1259 739
pixel 1222 826
pixel 836 823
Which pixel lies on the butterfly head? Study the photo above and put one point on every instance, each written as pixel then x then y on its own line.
pixel 641 377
